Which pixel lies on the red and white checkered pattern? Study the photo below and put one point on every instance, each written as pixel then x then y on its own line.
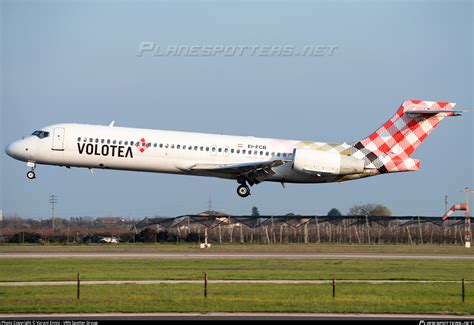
pixel 403 133
pixel 388 149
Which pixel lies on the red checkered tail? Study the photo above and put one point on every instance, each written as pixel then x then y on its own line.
pixel 404 132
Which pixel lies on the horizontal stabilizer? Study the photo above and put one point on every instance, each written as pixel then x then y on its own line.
pixel 433 112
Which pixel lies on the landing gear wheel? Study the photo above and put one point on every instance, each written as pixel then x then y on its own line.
pixel 31 175
pixel 243 191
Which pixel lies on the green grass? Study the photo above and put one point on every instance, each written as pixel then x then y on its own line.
pixel 350 298
pixel 159 269
pixel 242 248
pixel 439 298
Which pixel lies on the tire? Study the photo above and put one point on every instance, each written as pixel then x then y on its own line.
pixel 243 191
pixel 31 175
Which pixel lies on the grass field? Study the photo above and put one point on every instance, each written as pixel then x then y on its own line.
pixel 442 298
pixel 149 269
pixel 353 298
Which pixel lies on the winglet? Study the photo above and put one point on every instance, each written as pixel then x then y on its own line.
pixel 112 123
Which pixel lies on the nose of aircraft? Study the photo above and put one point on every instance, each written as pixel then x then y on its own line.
pixel 16 150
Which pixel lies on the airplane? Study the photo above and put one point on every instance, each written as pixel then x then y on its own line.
pixel 246 159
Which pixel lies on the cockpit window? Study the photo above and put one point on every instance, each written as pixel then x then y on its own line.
pixel 41 134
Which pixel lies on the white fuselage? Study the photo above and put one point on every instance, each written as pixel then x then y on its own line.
pixel 110 147
pixel 249 160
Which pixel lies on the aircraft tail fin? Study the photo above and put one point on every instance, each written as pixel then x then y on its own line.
pixel 411 124
pixel 388 148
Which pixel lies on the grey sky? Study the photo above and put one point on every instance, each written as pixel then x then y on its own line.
pixel 75 61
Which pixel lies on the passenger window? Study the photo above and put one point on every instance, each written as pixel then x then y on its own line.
pixel 238 150
pixel 273 154
pixel 85 139
pixel 261 153
pixel 207 148
pixel 284 155
pixel 161 145
pixel 131 143
pixel 102 141
pixel 219 150
pixel 91 140
pixel 120 142
pixel 172 146
pixel 201 148
pixel 96 140
pixel 231 150
pixel 108 141
pixel 278 154
pixel 79 139
pixel 178 146
pixel 226 150
pixel 213 149
pixel 255 152
pixel 267 153
pixel 244 151
pixel 115 142
pixel 166 146
pixel 126 143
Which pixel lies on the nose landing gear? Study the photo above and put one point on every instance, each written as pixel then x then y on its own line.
pixel 31 174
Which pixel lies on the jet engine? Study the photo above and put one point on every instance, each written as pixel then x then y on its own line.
pixel 321 162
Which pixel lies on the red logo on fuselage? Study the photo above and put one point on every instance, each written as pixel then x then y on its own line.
pixel 142 145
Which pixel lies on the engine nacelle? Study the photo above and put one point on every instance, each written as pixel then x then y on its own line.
pixel 315 162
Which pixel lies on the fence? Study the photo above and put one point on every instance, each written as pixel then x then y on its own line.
pixel 311 229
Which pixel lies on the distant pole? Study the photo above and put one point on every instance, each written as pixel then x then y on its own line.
pixel 205 285
pixel 209 204
pixel 467 222
pixel 445 203
pixel 78 286
pixel 53 199
pixel 334 288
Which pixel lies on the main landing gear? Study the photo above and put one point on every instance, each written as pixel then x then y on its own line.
pixel 31 174
pixel 243 190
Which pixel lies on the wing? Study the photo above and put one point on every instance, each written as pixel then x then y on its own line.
pixel 254 171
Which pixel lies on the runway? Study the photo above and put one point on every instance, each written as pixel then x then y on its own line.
pixel 231 316
pixel 252 256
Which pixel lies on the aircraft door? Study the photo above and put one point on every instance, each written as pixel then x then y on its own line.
pixel 58 139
